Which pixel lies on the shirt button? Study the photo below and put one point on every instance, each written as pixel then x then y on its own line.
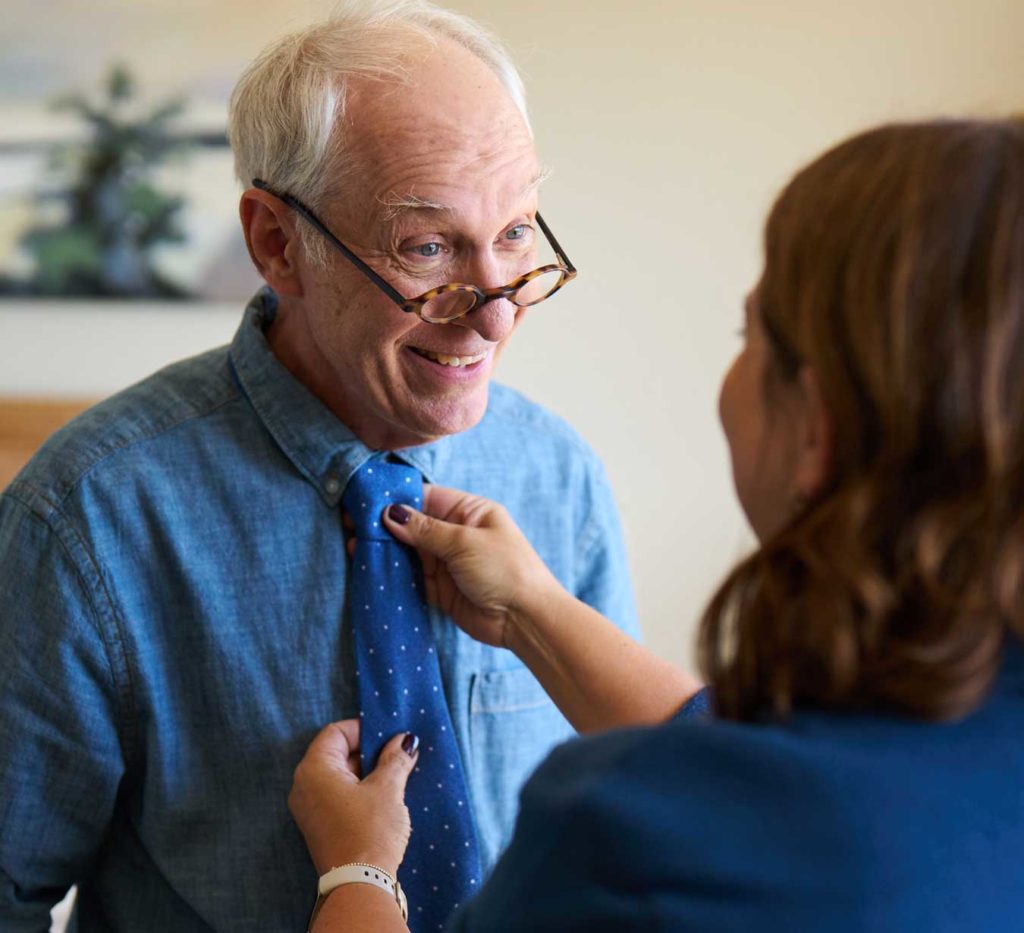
pixel 332 485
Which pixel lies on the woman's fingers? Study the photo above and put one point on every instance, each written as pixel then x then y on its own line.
pixel 428 535
pixel 344 819
pixel 439 502
pixel 430 571
pixel 337 740
pixel 444 502
pixel 395 763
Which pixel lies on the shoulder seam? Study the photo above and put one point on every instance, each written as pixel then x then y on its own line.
pixel 120 447
pixel 544 419
pixel 124 686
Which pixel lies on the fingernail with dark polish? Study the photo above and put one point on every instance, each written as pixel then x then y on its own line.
pixel 411 743
pixel 398 513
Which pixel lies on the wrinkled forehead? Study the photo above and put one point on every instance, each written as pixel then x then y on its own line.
pixel 421 162
pixel 450 134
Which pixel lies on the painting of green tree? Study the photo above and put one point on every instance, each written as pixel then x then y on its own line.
pixel 115 213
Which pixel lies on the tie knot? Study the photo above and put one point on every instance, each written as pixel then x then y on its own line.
pixel 375 486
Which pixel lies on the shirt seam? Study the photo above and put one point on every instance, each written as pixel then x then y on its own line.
pixel 548 423
pixel 73 484
pixel 517 708
pixel 590 535
pixel 124 686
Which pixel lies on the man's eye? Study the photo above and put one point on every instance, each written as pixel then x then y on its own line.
pixel 428 250
pixel 518 232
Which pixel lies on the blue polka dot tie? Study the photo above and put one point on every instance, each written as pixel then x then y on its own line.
pixel 399 687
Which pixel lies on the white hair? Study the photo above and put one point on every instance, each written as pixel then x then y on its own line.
pixel 286 121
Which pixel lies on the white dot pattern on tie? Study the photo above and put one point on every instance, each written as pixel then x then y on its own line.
pixel 399 688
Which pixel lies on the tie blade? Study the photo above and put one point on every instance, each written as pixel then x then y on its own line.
pixel 400 690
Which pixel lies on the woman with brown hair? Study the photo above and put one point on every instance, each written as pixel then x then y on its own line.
pixel 862 766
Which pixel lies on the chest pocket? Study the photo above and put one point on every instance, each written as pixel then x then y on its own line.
pixel 512 726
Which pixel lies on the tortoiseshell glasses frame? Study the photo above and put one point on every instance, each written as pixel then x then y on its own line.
pixel 447 303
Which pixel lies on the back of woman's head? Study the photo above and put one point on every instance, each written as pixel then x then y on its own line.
pixel 894 270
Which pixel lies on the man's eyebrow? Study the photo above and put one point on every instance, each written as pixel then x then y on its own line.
pixel 395 205
pixel 543 174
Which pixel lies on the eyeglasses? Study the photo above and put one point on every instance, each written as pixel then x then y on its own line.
pixel 447 302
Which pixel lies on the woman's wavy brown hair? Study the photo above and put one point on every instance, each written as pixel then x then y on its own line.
pixel 894 269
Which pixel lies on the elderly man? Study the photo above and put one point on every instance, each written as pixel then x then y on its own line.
pixel 176 609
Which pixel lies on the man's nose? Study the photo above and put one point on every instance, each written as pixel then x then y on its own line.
pixel 495 318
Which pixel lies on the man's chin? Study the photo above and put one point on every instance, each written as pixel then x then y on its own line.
pixel 445 419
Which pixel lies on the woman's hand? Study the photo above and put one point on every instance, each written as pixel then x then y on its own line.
pixel 345 819
pixel 478 567
pixel 481 571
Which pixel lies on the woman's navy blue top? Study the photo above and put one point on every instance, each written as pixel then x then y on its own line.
pixel 824 822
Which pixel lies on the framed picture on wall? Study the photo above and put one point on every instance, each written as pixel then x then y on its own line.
pixel 115 174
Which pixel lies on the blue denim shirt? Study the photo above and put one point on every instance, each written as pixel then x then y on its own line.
pixel 173 634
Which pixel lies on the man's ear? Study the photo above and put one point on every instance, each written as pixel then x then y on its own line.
pixel 272 239
pixel 814 463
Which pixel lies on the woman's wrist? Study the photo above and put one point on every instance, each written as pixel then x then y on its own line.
pixel 536 607
pixel 358 908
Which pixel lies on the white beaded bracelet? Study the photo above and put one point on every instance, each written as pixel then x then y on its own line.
pixel 358 873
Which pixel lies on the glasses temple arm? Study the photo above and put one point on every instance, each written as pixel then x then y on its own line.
pixel 296 205
pixel 559 252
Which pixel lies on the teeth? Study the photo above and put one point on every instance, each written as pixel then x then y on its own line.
pixel 446 360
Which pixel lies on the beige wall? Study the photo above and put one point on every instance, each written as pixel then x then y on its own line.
pixel 669 126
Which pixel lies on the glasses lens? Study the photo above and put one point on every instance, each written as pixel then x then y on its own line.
pixel 447 305
pixel 539 288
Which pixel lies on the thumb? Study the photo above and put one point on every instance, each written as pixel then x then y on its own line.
pixel 430 535
pixel 396 761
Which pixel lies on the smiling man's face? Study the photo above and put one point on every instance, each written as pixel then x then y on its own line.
pixel 444 190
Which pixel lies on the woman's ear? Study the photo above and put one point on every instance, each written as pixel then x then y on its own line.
pixel 272 239
pixel 815 432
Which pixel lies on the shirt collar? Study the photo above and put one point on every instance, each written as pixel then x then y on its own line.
pixel 321 447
